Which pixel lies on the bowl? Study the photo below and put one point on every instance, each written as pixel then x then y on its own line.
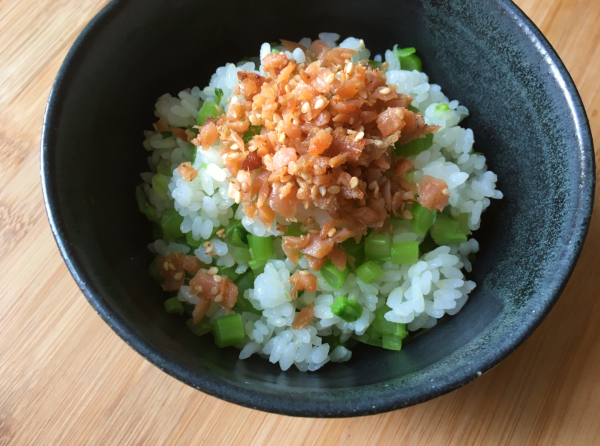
pixel 527 117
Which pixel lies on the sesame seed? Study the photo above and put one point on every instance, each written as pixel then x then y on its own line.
pixel 304 272
pixel 364 95
pixel 314 190
pixel 362 44
pixel 233 146
pixel 353 182
pixel 330 78
pixel 305 107
pixel 178 276
pixel 219 298
pixel 166 265
pixel 198 288
pixel 219 109
pixel 218 278
pixel 408 215
pixel 446 192
pixel 234 155
pixel 281 137
pixel 385 90
pixel 359 136
pixel 172 267
pixel 331 232
pixel 286 178
pixel 238 197
pixel 349 67
pixel 221 233
pixel 334 190
pixel 320 103
pixel 288 89
pixel 323 190
pixel 309 220
pixel 306 176
pixel 214 290
pixel 213 270
pixel 244 187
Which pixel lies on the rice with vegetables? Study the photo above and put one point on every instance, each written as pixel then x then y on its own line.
pixel 313 198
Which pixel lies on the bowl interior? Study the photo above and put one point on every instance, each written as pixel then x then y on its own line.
pixel 527 120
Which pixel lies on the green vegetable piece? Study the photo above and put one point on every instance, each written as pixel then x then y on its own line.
pixel 191 241
pixel 384 327
pixel 242 254
pixel 274 44
pixel 153 269
pixel 165 135
pixel 409 176
pixel 228 330
pixel 463 222
pixel 405 253
pixel 252 131
pixel 218 95
pixel 294 230
pixel 369 272
pixel 193 154
pixel 374 63
pixel 228 271
pixel 171 224
pixel 275 51
pixel 173 306
pixel 442 107
pixel 446 231
pixel 391 342
pixel 208 110
pixel 346 309
pixel 413 109
pixel 333 341
pixel 165 170
pixel 245 282
pixel 237 235
pixel 408 59
pixel 160 185
pixel 366 339
pixel 333 276
pixel 427 245
pixel 201 328
pixel 356 250
pixel 414 147
pixel 257 266
pixel 422 220
pixel 261 248
pixel 143 205
pixel 378 246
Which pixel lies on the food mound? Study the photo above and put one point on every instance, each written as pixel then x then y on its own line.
pixel 322 200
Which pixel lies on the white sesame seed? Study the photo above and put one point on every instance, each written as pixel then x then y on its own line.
pixel 219 298
pixel 213 270
pixel 305 107
pixel 281 137
pixel 217 278
pixel 214 290
pixel 320 103
pixel 233 146
pixel 334 190
pixel 178 276
pixel 330 78
pixel 385 90
pixel 353 182
pixel 408 215
pixel 359 136
pixel 331 232
pixel 323 190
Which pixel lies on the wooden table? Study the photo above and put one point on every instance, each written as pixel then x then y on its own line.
pixel 66 378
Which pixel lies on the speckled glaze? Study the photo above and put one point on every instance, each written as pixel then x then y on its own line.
pixel 527 117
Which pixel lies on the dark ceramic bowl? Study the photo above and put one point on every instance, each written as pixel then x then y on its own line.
pixel 527 117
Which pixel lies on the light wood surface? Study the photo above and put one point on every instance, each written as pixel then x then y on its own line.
pixel 66 378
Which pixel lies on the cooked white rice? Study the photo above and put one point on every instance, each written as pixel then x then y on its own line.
pixel 418 295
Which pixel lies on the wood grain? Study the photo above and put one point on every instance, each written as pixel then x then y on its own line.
pixel 66 378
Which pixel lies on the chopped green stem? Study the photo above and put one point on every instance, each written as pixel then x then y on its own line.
pixel 408 59
pixel 208 110
pixel 261 248
pixel 228 271
pixel 333 276
pixel 191 241
pixel 463 222
pixel 218 95
pixel 160 185
pixel 374 63
pixel 165 170
pixel 414 147
pixel 369 272
pixel 237 235
pixel 384 327
pixel 346 309
pixel 446 231
pixel 366 339
pixel 356 250
pixel 242 254
pixel 252 131
pixel 413 109
pixel 377 246
pixel 154 271
pixel 171 223
pixel 391 342
pixel 294 230
pixel 173 306
pixel 257 266
pixel 201 328
pixel 143 204
pixel 405 253
pixel 422 219
pixel 228 330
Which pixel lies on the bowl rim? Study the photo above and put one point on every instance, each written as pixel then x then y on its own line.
pixel 342 408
